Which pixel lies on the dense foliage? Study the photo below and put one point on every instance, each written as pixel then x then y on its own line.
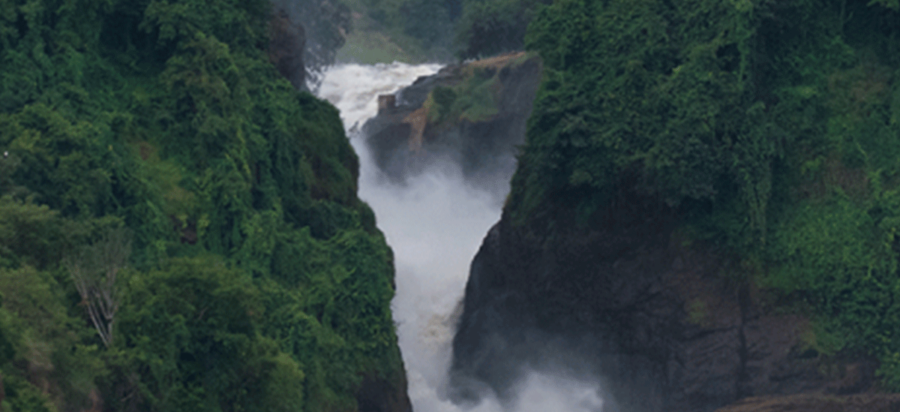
pixel 422 30
pixel 771 127
pixel 256 279
pixel 490 27
pixel 444 30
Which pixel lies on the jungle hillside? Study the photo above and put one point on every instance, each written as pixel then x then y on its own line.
pixel 770 129
pixel 179 226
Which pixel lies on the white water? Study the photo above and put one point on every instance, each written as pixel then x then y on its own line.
pixel 435 225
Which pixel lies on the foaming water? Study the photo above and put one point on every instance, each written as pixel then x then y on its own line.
pixel 354 88
pixel 435 224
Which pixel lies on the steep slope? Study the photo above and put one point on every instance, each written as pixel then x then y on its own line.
pixel 705 208
pixel 632 302
pixel 179 226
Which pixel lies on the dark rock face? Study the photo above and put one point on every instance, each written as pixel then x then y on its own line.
pixel 404 138
pixel 310 32
pixel 818 403
pixel 664 324
pixel 286 43
pixel 378 394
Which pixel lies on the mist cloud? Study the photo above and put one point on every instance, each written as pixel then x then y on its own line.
pixel 435 224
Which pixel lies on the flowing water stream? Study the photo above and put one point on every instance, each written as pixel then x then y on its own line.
pixel 434 224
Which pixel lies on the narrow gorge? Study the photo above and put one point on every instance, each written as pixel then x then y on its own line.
pixel 588 206
pixel 608 283
pixel 434 205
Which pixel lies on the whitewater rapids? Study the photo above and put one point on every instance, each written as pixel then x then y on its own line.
pixel 434 224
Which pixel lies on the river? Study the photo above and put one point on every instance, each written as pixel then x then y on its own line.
pixel 434 224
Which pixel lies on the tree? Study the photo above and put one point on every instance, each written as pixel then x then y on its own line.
pixel 94 270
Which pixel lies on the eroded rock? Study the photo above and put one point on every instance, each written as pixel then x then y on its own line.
pixel 473 115
pixel 666 325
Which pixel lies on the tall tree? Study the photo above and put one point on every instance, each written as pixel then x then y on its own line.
pixel 95 270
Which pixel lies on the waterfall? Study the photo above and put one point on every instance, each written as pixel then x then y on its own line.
pixel 434 224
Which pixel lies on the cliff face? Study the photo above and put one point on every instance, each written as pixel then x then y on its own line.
pixel 308 34
pixel 693 219
pixel 628 300
pixel 287 40
pixel 472 115
pixel 379 391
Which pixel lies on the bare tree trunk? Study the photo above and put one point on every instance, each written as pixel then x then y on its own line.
pixel 94 270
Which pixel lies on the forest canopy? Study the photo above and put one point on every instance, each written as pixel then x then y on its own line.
pixel 769 127
pixel 253 277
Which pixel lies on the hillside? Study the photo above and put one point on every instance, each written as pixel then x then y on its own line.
pixel 705 208
pixel 179 226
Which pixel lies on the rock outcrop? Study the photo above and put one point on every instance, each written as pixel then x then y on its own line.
pixel 305 37
pixel 817 403
pixel 383 394
pixel 666 325
pixel 472 114
pixel 287 40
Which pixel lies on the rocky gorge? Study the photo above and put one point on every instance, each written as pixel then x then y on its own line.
pixel 626 295
pixel 632 302
pixel 688 206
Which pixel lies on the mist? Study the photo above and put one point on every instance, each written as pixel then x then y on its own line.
pixel 435 222
pixel 317 28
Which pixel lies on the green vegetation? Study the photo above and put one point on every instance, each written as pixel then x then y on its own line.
pixel 771 128
pixel 413 31
pixel 157 159
pixel 472 100
pixel 491 27
pixel 418 31
pixel 473 94
pixel 366 45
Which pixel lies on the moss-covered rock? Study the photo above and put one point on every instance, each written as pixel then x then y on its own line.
pixel 472 114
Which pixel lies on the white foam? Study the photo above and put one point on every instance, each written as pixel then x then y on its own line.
pixel 434 224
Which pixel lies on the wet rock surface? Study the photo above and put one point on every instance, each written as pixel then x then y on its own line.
pixel 664 324
pixel 409 133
